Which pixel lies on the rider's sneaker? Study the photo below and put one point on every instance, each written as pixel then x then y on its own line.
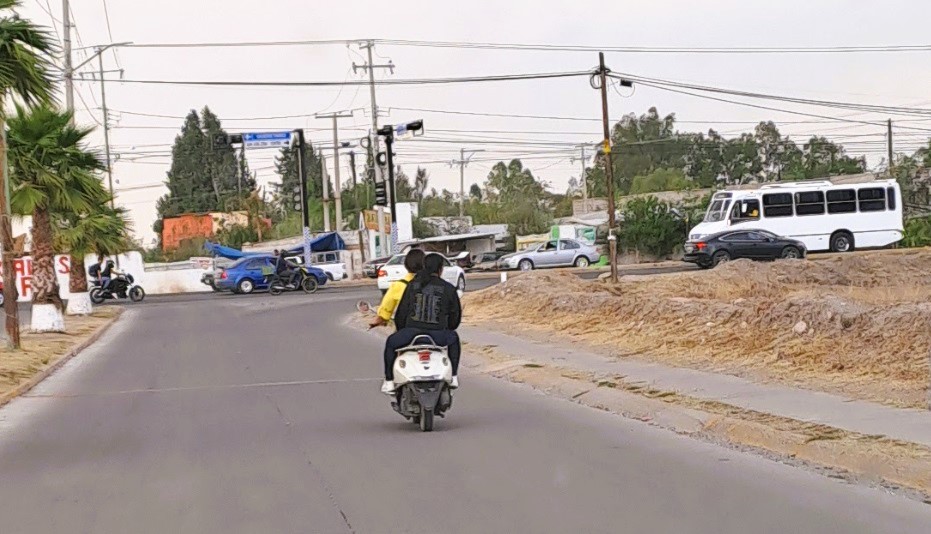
pixel 387 387
pixel 454 383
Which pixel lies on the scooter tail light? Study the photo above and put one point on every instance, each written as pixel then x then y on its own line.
pixel 424 355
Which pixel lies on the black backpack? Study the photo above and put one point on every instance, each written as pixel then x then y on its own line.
pixel 94 270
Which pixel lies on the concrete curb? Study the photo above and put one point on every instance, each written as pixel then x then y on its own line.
pixel 26 386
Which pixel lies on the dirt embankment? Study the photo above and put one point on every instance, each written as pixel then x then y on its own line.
pixel 858 325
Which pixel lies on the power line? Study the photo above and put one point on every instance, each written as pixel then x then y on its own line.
pixel 415 81
pixel 870 108
pixel 656 50
pixel 106 14
pixel 532 47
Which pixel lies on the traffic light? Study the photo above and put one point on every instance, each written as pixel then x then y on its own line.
pixel 221 141
pixel 381 193
pixel 296 198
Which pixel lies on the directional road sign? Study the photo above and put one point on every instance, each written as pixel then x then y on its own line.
pixel 266 139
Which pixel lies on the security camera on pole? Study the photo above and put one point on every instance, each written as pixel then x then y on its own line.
pixel 390 133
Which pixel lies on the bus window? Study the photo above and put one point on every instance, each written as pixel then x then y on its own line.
pixel 890 197
pixel 809 203
pixel 872 199
pixel 717 210
pixel 746 210
pixel 842 201
pixel 777 205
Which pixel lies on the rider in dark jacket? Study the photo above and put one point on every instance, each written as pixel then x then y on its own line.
pixel 430 306
pixel 286 270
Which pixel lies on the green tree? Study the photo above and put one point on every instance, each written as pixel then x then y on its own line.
pixel 651 226
pixel 52 172
pixel 102 230
pixel 660 180
pixel 286 165
pixel 203 178
pixel 26 75
pixel 520 198
pixel 475 192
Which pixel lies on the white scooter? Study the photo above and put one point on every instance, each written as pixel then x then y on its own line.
pixel 422 377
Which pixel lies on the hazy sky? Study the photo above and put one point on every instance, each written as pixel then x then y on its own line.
pixel 876 78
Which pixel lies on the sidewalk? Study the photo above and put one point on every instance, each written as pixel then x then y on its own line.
pixel 809 406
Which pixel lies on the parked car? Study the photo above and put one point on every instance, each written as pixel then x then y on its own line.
pixel 462 259
pixel 209 278
pixel 394 270
pixel 328 262
pixel 371 267
pixel 733 244
pixel 249 274
pixel 561 253
pixel 487 261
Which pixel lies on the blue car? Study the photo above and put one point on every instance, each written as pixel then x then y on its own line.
pixel 246 275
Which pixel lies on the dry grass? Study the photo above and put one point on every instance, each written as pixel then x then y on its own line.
pixel 42 350
pixel 866 318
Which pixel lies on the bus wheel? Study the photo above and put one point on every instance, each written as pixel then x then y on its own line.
pixel 841 242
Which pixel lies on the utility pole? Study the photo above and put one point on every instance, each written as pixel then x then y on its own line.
pixel 305 209
pixel 106 126
pixel 66 50
pixel 889 141
pixel 10 293
pixel 584 182
pixel 326 192
pixel 370 67
pixel 337 186
pixel 462 164
pixel 609 165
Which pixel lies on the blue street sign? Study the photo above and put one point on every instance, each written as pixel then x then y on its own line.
pixel 266 139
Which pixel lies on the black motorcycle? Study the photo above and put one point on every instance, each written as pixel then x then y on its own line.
pixel 278 284
pixel 121 286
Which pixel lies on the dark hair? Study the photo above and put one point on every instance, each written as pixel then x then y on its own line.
pixel 413 262
pixel 432 265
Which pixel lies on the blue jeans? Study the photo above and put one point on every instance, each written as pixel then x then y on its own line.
pixel 404 337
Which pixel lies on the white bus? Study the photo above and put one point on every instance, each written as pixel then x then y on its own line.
pixel 820 214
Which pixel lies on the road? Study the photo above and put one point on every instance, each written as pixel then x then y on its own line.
pixel 262 414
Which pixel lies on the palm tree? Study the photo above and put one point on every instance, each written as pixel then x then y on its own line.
pixel 104 231
pixel 25 73
pixel 52 172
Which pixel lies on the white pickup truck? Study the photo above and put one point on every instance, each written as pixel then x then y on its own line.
pixel 328 262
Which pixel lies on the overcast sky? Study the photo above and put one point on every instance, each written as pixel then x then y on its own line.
pixel 877 78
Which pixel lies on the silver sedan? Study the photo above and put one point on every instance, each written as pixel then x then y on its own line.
pixel 556 253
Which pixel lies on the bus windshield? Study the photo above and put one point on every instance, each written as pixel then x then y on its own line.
pixel 717 211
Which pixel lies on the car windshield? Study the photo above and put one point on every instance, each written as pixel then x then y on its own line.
pixel 717 210
pixel 397 260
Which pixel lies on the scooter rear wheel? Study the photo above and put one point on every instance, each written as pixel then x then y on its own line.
pixel 97 295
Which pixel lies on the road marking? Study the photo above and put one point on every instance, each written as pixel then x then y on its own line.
pixel 200 388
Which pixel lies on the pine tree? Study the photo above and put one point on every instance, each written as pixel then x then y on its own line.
pixel 202 178
pixel 286 167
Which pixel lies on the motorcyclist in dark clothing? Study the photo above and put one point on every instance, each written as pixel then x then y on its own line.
pixel 430 306
pixel 286 270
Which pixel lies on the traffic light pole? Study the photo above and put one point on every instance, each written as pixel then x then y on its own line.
pixel 305 209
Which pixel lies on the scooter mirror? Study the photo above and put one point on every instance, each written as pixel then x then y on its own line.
pixel 363 307
pixel 460 293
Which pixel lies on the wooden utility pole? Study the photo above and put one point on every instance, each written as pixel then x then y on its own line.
pixel 609 165
pixel 889 144
pixel 10 294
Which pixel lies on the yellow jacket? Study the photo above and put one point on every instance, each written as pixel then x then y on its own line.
pixel 391 299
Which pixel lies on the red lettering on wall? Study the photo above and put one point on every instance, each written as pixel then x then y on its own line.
pixel 19 267
pixel 25 286
pixel 64 264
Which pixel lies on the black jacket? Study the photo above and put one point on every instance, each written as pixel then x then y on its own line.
pixel 430 306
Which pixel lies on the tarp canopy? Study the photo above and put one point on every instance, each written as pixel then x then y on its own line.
pixel 322 243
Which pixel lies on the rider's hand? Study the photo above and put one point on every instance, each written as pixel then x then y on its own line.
pixel 377 321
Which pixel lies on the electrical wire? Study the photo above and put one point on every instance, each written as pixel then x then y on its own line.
pixel 106 14
pixel 415 81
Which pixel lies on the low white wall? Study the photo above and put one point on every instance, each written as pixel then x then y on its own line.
pixel 181 277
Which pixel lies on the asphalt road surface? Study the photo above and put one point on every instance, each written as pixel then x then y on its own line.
pixel 262 414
